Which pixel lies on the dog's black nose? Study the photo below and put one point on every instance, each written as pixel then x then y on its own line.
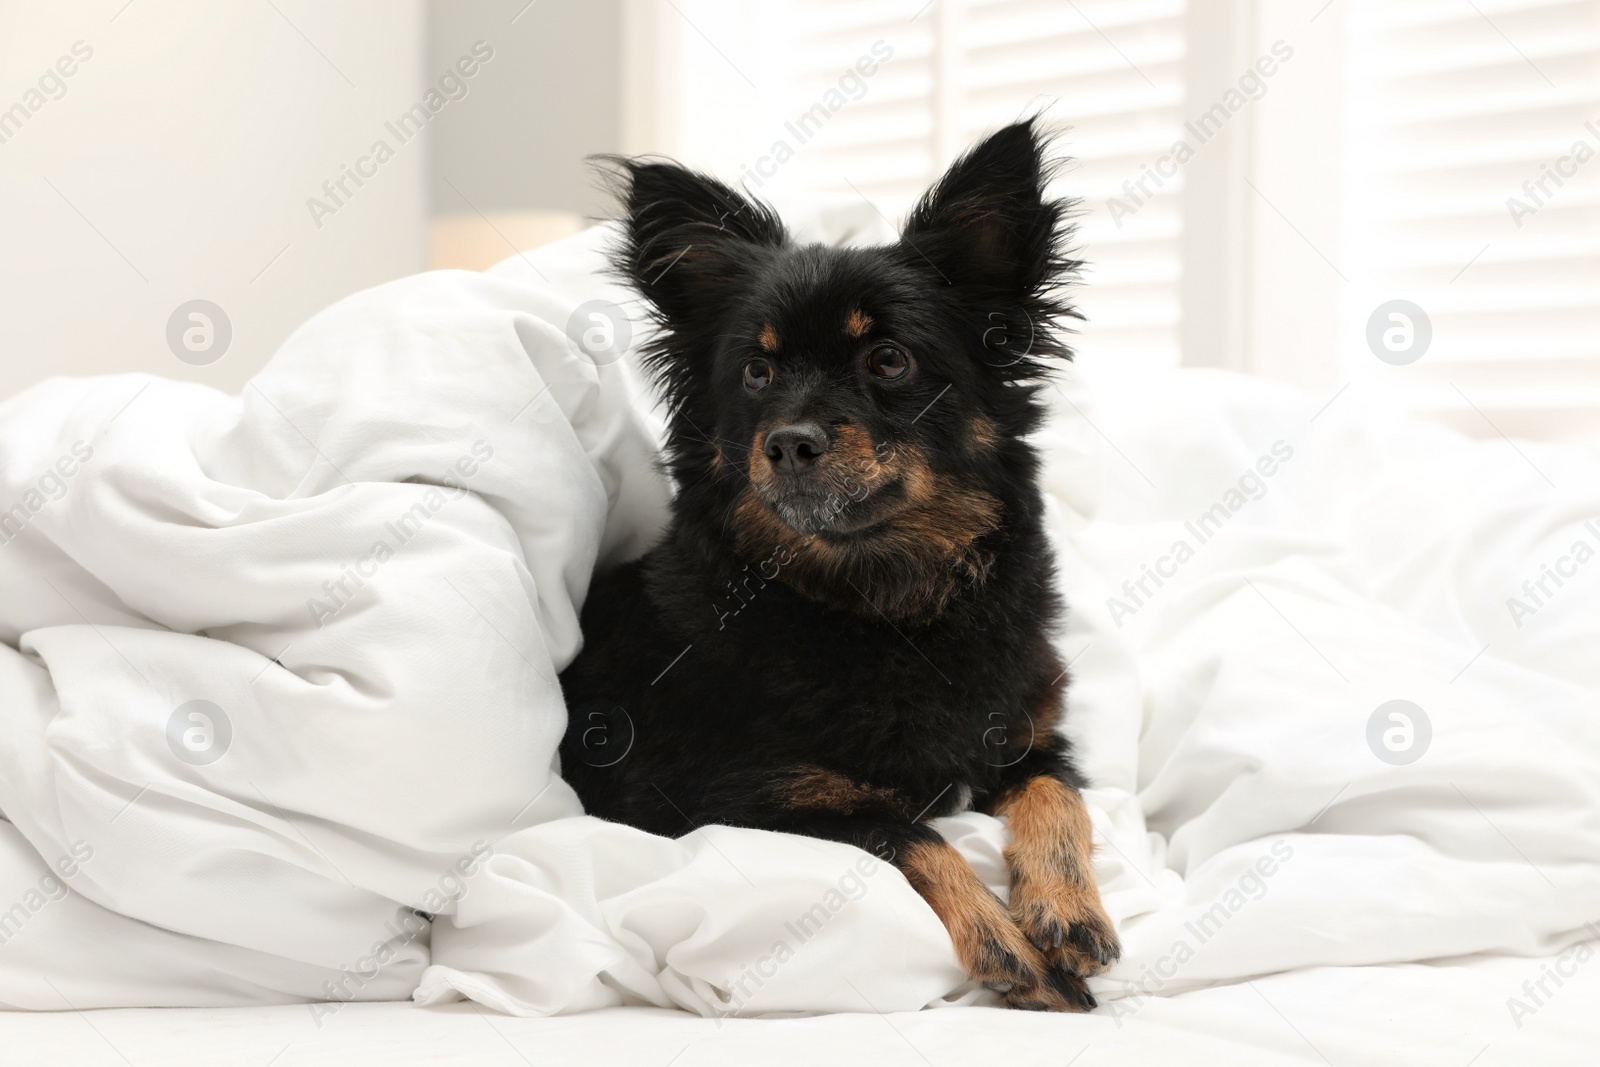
pixel 794 449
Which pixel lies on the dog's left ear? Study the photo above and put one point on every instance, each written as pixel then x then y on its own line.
pixel 990 231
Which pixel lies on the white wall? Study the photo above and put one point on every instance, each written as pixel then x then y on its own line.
pixel 549 98
pixel 1260 287
pixel 177 164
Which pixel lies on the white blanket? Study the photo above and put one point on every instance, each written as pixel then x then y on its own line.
pixel 280 672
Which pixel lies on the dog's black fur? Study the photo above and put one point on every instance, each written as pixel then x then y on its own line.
pixel 845 630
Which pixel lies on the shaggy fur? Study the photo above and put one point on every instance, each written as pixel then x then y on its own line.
pixel 845 631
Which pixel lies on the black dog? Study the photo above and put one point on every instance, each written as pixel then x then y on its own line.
pixel 846 629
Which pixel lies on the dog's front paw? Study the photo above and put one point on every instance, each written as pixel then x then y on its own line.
pixel 1068 925
pixel 1060 991
pixel 999 957
pixel 1008 963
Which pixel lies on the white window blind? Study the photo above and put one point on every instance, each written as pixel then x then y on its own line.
pixel 1107 73
pixel 1473 190
pixel 1113 73
pixel 1465 176
pixel 883 135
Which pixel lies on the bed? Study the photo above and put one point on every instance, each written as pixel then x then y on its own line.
pixel 274 795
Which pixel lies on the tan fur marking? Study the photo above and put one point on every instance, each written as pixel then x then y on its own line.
pixel 1054 898
pixel 982 434
pixel 814 787
pixel 855 462
pixel 931 537
pixel 761 472
pixel 857 323
pixel 768 338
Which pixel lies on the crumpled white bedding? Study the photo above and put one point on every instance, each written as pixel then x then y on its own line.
pixel 378 725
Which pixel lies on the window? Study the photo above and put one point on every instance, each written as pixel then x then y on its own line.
pixel 1340 156
pixel 1473 167
pixel 1112 72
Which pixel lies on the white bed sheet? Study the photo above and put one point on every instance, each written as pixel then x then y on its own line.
pixel 1444 1015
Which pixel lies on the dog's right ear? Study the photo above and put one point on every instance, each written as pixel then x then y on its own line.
pixel 689 241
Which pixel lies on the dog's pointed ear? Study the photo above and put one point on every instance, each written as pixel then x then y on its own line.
pixel 689 241
pixel 988 227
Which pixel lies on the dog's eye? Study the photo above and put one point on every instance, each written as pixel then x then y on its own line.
pixel 758 374
pixel 889 362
